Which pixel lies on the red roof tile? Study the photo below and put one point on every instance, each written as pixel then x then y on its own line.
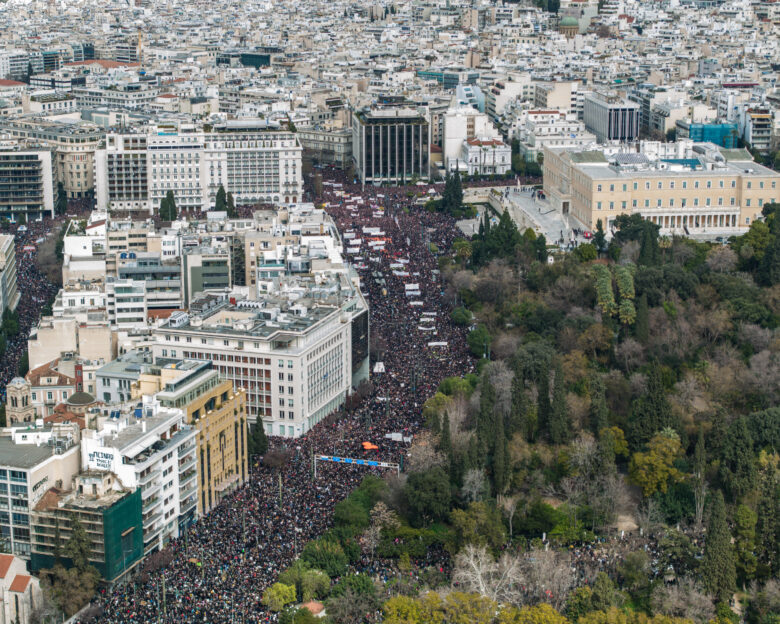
pixel 20 583
pixel 5 563
pixel 11 83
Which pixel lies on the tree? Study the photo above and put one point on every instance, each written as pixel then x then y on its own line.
pixel 642 324
pixel 230 206
pixel 683 600
pixel 635 570
pixel 257 441
pixel 699 480
pixel 598 413
pixel 326 555
pixel 718 570
pixel 168 207
pixel 479 340
pixel 543 408
pixel 428 496
pixel 738 471
pixel 61 205
pixel 560 425
pixel 745 544
pixel 599 238
pixel 69 589
pixel 651 412
pixel 278 596
pixel 768 525
pixel 480 525
pixel 78 546
pixel 221 200
pixel 351 607
pixel 653 470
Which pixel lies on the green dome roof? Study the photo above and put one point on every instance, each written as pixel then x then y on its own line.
pixel 569 21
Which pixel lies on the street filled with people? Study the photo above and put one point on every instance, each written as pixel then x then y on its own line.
pixel 217 572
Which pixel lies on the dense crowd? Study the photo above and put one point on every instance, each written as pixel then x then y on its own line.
pixel 218 571
pixel 34 290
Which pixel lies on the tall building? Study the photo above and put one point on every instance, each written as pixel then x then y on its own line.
pixel 250 159
pixel 218 414
pixel 297 352
pixel 611 118
pixel 26 184
pixel 9 291
pixel 33 458
pixel 108 511
pixel 203 269
pixel 390 145
pixel 150 448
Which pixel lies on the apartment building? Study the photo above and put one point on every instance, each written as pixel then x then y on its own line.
pixel 708 189
pixel 126 303
pixel 163 283
pixel 26 184
pixel 328 147
pixel 33 458
pixel 9 290
pixel 150 448
pixel 109 513
pixel 74 146
pixel 297 356
pixel 463 124
pixel 132 96
pixel 390 145
pixel 204 268
pixel 218 414
pixel 551 128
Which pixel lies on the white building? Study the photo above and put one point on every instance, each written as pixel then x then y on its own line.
pixel 151 448
pixel 461 124
pixel 9 292
pixel 251 160
pixel 126 303
pixel 297 352
pixel 550 128
pixel 484 156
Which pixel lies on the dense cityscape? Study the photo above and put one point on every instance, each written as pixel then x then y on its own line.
pixel 406 312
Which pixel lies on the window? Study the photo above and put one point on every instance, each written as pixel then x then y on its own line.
pixel 633 203
pixel 685 184
pixel 660 185
pixel 696 184
pixel 611 205
pixel 671 184
pixel 720 183
pixel 598 188
pixel 625 187
pixel 647 186
pixel 289 363
pixel 598 205
pixel 289 402
pixel 747 202
pixel 750 185
pixel 708 201
pixel 636 185
pixel 671 202
pixel 732 201
pixel 747 220
pixel 281 402
pixel 647 203
pixel 281 363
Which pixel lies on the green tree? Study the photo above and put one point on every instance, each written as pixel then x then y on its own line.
pixel 427 496
pixel 605 594
pixel 350 513
pixel 768 525
pixel 61 205
pixel 599 238
pixel 598 413
pixel 221 200
pixel 769 269
pixel 257 442
pixel 479 340
pixel 745 544
pixel 654 469
pixel 651 412
pixel 642 325
pixel 24 365
pixel 230 206
pixel 543 408
pixel 278 596
pixel 326 555
pixel 738 471
pixel 168 210
pixel 78 546
pixel 69 589
pixel 500 459
pixel 718 570
pixel 560 424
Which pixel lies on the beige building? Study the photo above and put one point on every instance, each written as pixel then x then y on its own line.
pixel 708 190
pixel 218 413
pixel 91 339
pixel 21 592
pixel 73 144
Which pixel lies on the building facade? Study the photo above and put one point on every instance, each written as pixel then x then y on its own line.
pixel 611 118
pixel 26 184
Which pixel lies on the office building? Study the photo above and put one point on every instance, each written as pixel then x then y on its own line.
pixel 26 184
pixel 297 352
pixel 390 145
pixel 218 414
pixel 611 118
pixel 203 269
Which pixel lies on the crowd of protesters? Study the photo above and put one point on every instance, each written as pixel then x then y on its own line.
pixel 217 572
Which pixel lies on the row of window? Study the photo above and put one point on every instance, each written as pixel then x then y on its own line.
pixel 671 203
pixel 660 185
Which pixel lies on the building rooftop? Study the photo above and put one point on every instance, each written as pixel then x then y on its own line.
pixel 23 456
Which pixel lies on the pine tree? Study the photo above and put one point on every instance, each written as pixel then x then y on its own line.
pixel 231 206
pixel 61 207
pixel 168 207
pixel 599 239
pixel 486 425
pixel 738 467
pixel 258 441
pixel 560 427
pixel 445 440
pixel 651 412
pixel 718 570
pixel 642 325
pixel 500 476
pixel 745 544
pixel 599 413
pixel 699 481
pixel 519 407
pixel 221 200
pixel 768 526
pixel 456 196
pixel 78 546
pixel 543 402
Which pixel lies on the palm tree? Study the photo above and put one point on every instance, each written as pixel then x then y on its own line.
pixel 664 242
